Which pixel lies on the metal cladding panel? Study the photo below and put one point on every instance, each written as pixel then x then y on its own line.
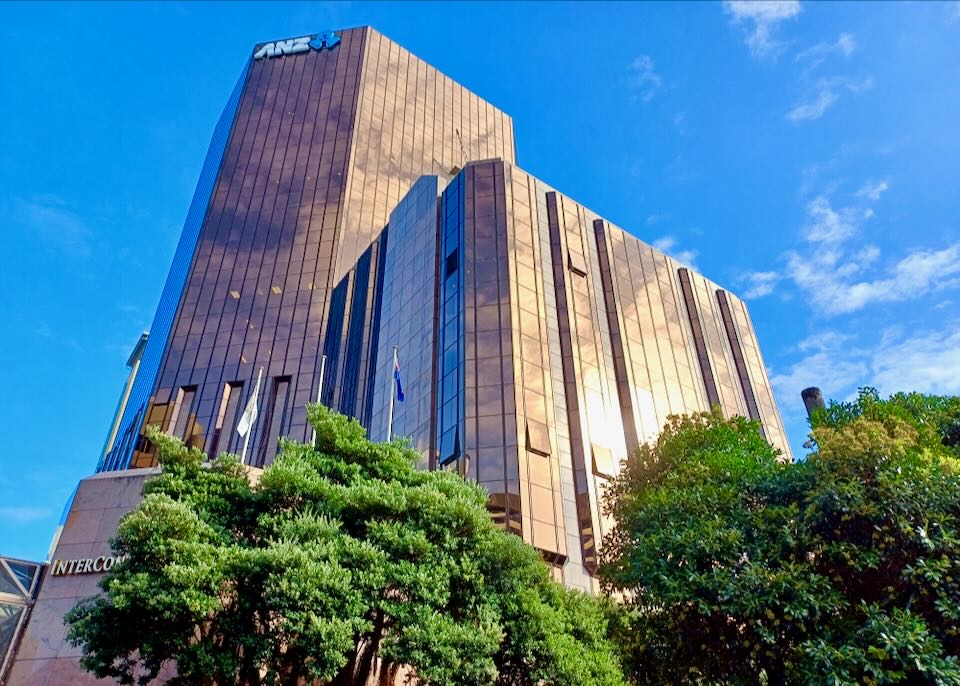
pixel 132 420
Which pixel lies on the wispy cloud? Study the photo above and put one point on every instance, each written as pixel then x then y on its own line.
pixel 60 229
pixel 668 244
pixel 679 122
pixel 836 374
pixel 759 284
pixel 827 276
pixel 873 190
pixel 823 95
pixel 812 57
pixel 24 515
pixel 665 243
pixel 812 109
pixel 763 18
pixel 822 340
pixel 839 274
pixel 643 80
pixel 926 361
pixel 825 224
pixel 819 91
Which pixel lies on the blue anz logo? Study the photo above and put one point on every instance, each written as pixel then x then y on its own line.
pixel 327 39
pixel 293 46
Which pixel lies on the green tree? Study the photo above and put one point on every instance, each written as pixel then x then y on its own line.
pixel 343 563
pixel 844 568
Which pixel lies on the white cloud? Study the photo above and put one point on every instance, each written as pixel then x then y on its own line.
pixel 845 44
pixel 823 95
pixel 820 93
pixel 834 373
pixel 24 515
pixel 667 244
pixel 822 341
pixel 643 78
pixel 812 109
pixel 679 119
pixel 927 361
pixel 873 190
pixel 760 284
pixel 826 276
pixel 764 15
pixel 664 243
pixel 828 225
pixel 813 56
pixel 57 227
pixel 838 276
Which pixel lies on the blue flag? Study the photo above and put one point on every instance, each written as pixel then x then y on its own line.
pixel 396 377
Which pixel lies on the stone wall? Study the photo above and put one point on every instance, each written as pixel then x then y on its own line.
pixel 44 657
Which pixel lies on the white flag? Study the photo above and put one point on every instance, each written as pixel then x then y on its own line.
pixel 249 415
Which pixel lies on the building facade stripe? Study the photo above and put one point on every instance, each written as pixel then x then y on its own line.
pixel 699 343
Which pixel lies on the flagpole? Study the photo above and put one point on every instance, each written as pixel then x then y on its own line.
pixel 393 393
pixel 246 439
pixel 323 368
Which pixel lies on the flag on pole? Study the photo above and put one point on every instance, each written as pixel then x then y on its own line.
pixel 396 375
pixel 249 416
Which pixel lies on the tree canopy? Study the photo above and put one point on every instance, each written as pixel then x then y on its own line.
pixel 844 568
pixel 343 564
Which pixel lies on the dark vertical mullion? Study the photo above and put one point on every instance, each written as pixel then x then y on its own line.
pixel 613 323
pixel 703 357
pixel 374 343
pixel 581 486
pixel 440 273
pixel 734 339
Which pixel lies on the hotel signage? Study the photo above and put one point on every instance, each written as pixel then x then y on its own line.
pixel 86 565
pixel 293 46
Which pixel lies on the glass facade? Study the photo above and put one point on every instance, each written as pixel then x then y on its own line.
pixel 19 581
pixel 408 320
pixel 312 153
pixel 538 343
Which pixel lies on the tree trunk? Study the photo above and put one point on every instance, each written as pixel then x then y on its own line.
pixel 346 675
pixel 370 654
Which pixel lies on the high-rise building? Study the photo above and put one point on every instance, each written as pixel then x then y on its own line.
pixel 539 344
pixel 355 202
pixel 357 207
pixel 318 142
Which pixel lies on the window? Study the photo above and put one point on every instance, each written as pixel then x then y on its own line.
pixel 227 415
pixel 602 461
pixel 183 420
pixel 451 263
pixel 274 421
pixel 538 439
pixel 576 263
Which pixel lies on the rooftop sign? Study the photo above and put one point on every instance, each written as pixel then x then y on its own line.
pixel 293 46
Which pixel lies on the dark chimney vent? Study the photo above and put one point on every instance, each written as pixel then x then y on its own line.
pixel 812 399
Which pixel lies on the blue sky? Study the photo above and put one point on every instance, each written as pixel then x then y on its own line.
pixel 804 155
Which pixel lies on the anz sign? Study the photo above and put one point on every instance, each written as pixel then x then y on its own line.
pixel 324 39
